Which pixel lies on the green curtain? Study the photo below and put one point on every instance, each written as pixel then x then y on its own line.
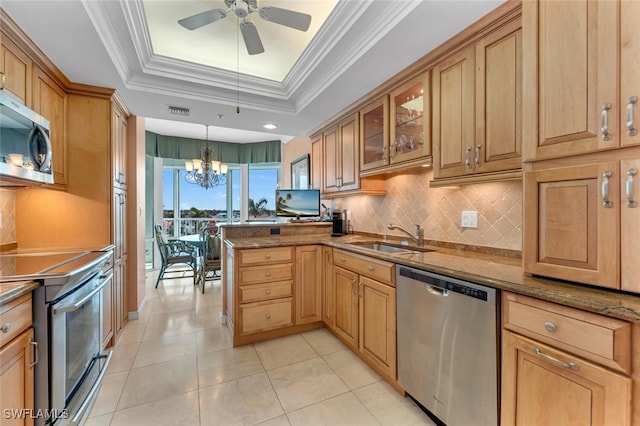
pixel 227 152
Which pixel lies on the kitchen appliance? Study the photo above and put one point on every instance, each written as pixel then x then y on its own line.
pixel 67 320
pixel 339 219
pixel 25 151
pixel 447 346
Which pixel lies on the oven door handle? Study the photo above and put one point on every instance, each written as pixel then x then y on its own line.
pixel 78 304
pixel 93 392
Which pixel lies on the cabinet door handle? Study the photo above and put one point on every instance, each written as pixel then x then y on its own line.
pixel 571 365
pixel 606 136
pixel 3 79
pixel 631 203
pixel 478 148
pixel 631 131
pixel 353 287
pixel 35 352
pixel 605 190
pixel 360 289
pixel 384 153
pixel 467 157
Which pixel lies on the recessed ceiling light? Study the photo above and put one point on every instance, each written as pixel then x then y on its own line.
pixel 270 126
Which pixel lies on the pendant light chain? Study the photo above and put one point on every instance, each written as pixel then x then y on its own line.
pixel 238 67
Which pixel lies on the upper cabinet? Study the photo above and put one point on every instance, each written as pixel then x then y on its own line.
pixel 477 103
pixel 50 101
pixel 119 146
pixel 316 162
pixel 16 68
pixel 410 133
pixel 578 99
pixel 374 134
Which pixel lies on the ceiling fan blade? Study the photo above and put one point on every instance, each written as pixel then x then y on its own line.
pixel 251 37
pixel 288 18
pixel 202 19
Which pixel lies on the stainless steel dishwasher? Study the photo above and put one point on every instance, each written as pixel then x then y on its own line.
pixel 447 346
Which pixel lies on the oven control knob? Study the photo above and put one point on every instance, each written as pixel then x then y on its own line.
pixel 6 327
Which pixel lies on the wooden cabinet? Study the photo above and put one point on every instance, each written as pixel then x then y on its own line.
pixel 577 94
pixel 316 162
pixel 328 290
pixel 16 68
pixel 119 146
pixel 410 124
pixel 365 309
pixel 580 223
pixel 308 284
pixel 477 107
pixel 545 382
pixel 119 294
pixel 264 284
pixel 341 156
pixel 18 356
pixel 374 134
pixel 50 101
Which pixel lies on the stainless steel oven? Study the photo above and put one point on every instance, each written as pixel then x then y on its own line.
pixel 67 321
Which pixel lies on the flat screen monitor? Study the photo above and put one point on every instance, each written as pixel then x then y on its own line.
pixel 297 202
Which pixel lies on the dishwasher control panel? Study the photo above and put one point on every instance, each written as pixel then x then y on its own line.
pixel 446 283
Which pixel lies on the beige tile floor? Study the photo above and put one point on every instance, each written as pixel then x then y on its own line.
pixel 176 366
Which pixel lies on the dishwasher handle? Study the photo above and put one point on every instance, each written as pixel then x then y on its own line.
pixel 438 291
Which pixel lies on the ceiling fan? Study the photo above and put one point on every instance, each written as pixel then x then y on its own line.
pixel 242 8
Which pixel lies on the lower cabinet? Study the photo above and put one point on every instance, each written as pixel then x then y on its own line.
pixel 545 382
pixel 18 356
pixel 364 309
pixel 308 284
pixel 328 289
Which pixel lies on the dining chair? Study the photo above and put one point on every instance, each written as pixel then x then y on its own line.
pixel 176 252
pixel 211 263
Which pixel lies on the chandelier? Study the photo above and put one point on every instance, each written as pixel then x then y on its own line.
pixel 205 171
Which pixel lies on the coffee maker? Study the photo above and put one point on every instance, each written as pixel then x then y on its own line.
pixel 339 219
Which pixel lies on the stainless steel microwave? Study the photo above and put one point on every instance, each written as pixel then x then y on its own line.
pixel 25 146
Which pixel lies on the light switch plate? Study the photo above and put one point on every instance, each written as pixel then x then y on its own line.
pixel 469 219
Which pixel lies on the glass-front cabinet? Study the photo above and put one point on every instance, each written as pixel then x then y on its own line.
pixel 410 133
pixel 374 134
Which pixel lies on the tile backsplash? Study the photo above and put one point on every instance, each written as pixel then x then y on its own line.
pixel 410 201
pixel 8 212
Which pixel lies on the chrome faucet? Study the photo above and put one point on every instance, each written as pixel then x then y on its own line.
pixel 418 238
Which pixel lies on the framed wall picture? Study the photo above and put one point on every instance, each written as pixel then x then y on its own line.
pixel 300 172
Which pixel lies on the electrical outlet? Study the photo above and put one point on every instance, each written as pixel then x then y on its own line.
pixel 469 219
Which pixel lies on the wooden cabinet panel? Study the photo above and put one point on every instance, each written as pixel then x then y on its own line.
pixel 630 225
pixel 453 114
pixel 348 132
pixel 50 101
pixel 328 296
pixel 16 68
pixel 119 146
pixel 499 100
pixel 15 317
pixel 265 256
pixel 266 315
pixel 316 162
pixel 629 73
pixel 267 273
pixel 16 378
pixel 332 160
pixel 570 67
pixel 256 292
pixel 346 305
pixel 378 324
pixel 308 284
pixel 545 386
pixel 410 126
pixel 569 233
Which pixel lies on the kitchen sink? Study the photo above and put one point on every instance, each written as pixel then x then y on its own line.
pixel 391 248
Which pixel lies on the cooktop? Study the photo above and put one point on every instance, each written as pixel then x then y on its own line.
pixel 41 266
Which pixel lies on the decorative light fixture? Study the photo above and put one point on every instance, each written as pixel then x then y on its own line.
pixel 205 171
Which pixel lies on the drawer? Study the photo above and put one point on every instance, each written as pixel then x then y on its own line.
pixel 266 255
pixel 257 292
pixel 15 317
pixel 373 268
pixel 263 274
pixel 262 316
pixel 585 334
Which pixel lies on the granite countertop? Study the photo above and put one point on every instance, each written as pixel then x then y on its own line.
pixel 496 271
pixel 14 289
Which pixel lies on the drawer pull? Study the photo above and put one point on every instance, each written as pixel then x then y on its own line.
pixel 571 365
pixel 370 268
pixel 6 327
pixel 267 256
pixel 268 274
pixel 631 203
pixel 342 259
pixel 605 190
pixel 268 292
pixel 549 326
pixel 34 344
pixel 268 316
pixel 606 136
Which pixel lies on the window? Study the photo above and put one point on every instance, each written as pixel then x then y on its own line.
pixel 263 181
